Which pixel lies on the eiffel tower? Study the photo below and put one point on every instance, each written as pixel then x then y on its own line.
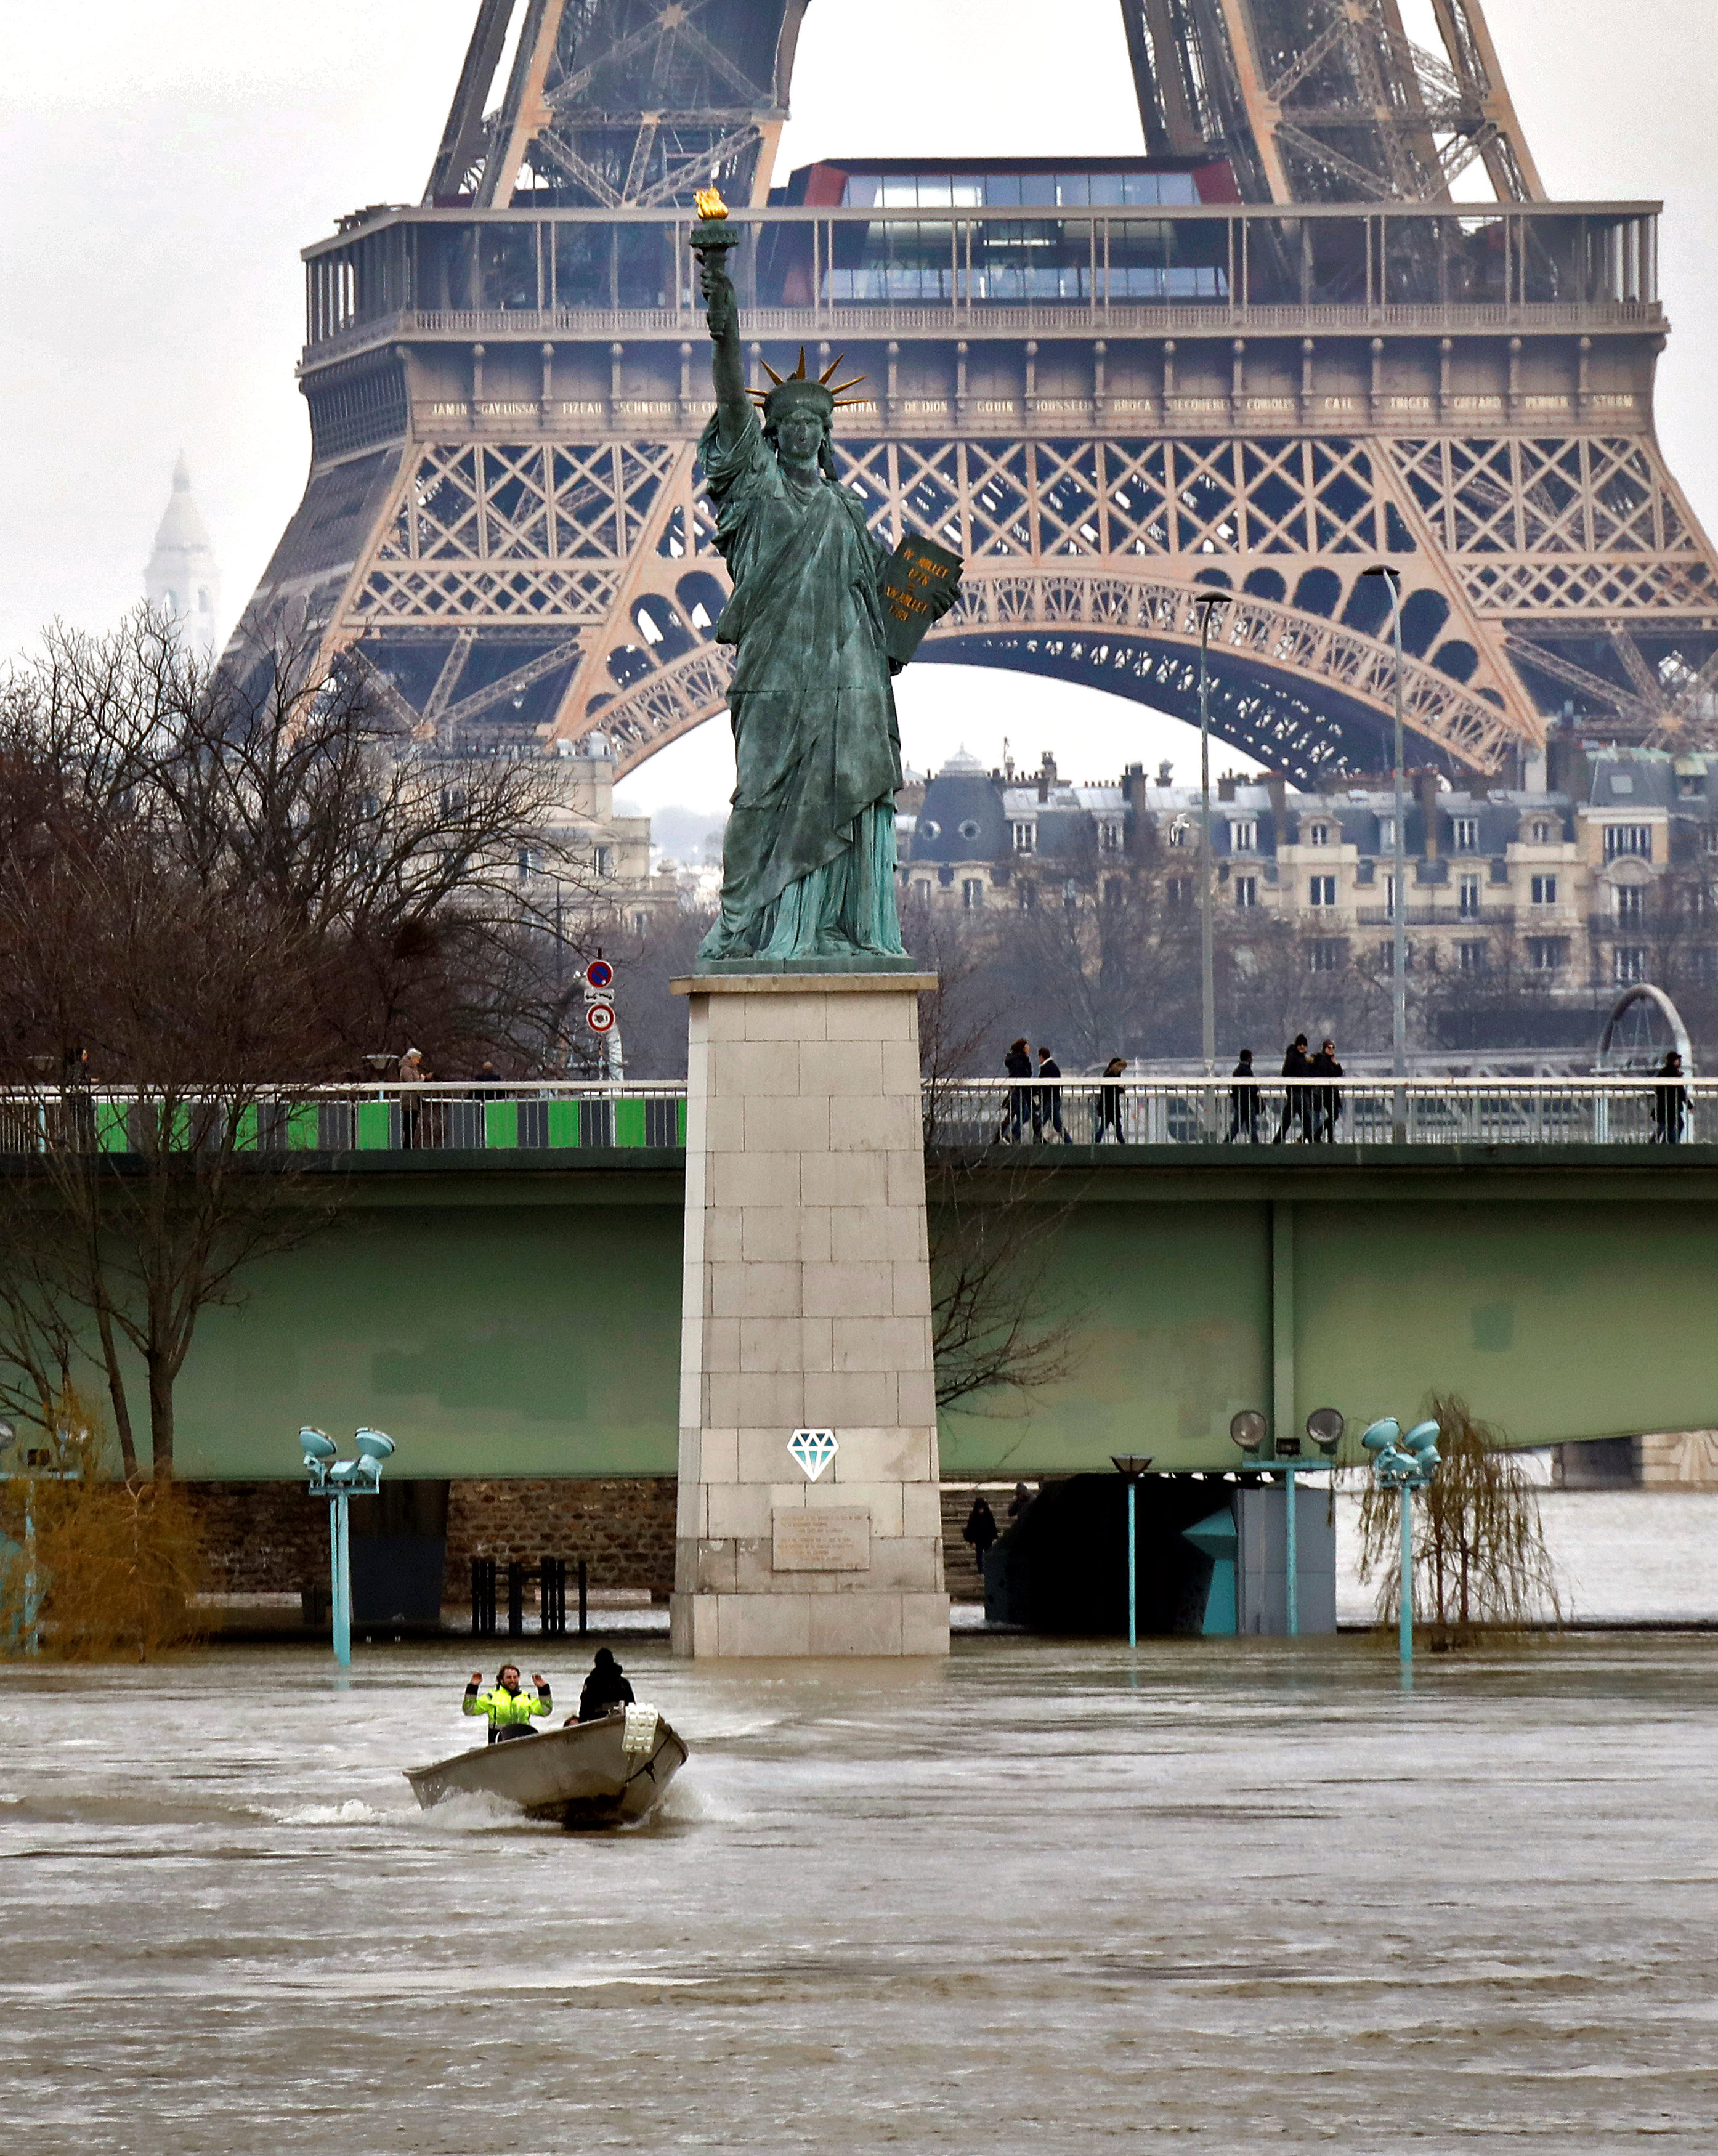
pixel 1270 351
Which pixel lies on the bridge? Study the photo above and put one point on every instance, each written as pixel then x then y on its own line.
pixel 503 1290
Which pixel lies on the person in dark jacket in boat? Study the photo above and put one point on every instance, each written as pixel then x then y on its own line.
pixel 511 1711
pixel 605 1687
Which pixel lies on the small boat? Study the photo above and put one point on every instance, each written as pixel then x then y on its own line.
pixel 590 1773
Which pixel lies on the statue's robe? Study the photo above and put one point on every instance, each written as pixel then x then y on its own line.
pixel 809 865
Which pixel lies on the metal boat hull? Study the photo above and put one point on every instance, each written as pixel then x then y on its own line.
pixel 584 1776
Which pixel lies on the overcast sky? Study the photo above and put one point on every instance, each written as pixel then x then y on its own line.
pixel 170 160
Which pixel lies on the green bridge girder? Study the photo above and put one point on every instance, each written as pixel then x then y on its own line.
pixel 512 1315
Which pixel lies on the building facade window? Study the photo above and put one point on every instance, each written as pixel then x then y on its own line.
pixel 1321 890
pixel 1109 838
pixel 971 894
pixel 1025 838
pixel 1634 840
pixel 1541 834
pixel 1324 954
pixel 1709 839
pixel 1390 896
pixel 1243 835
pixel 1467 898
pixel 1471 957
pixel 1318 835
pixel 1178 891
pixel 1246 891
pixel 1386 835
pixel 1629 964
pixel 1028 897
pixel 1467 833
pixel 1545 890
pixel 531 862
pixel 1703 966
pixel 605 860
pixel 1631 901
pixel 1547 954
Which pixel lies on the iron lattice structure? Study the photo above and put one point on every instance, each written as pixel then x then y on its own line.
pixel 1264 357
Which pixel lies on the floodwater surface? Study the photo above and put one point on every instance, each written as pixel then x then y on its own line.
pixel 1228 1896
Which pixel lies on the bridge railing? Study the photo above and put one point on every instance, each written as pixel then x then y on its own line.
pixel 1357 1111
pixel 469 1116
pixel 571 1115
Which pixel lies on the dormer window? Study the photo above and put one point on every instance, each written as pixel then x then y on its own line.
pixel 1318 835
pixel 1025 838
pixel 1467 833
pixel 1243 834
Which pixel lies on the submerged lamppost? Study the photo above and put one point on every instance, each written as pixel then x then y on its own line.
pixel 1404 1465
pixel 1131 1467
pixel 33 1467
pixel 1325 1427
pixel 338 1479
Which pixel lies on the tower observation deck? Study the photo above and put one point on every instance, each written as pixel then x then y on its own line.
pixel 1267 352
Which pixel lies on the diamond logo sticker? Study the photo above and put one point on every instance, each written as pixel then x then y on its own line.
pixel 814 1449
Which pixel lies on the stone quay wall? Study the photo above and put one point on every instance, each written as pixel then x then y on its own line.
pixel 272 1537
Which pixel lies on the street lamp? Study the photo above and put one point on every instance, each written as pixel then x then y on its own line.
pixel 1131 1467
pixel 1205 601
pixel 33 1467
pixel 1325 1427
pixel 1398 1027
pixel 338 1481
pixel 1404 1465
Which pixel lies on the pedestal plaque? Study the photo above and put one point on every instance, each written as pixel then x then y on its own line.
pixel 806 1310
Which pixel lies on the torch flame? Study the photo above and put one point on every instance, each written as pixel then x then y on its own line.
pixel 709 205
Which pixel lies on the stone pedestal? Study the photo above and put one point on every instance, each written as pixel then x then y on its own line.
pixel 806 1308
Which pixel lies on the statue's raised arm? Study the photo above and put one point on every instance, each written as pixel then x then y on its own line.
pixel 809 865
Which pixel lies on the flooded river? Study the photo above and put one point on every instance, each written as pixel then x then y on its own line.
pixel 1049 1898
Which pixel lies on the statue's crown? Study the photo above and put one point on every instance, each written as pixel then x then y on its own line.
pixel 801 388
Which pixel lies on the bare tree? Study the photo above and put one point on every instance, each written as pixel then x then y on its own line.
pixel 213 895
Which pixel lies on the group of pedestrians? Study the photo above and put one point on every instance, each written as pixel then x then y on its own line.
pixel 1310 1112
pixel 1041 1103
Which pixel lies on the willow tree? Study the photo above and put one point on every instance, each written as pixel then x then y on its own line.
pixel 1481 1563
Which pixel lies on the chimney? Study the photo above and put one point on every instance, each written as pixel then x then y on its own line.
pixel 1133 789
pixel 1226 786
pixel 1046 776
pixel 1425 784
pixel 1276 785
pixel 1165 773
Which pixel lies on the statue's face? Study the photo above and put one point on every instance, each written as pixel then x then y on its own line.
pixel 799 435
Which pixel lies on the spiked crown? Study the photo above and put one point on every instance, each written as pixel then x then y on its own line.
pixel 799 387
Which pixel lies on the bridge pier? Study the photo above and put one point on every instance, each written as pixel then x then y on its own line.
pixel 807 1313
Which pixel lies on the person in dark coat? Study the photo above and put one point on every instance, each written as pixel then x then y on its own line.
pixel 1327 1101
pixel 1017 1064
pixel 1669 1101
pixel 980 1531
pixel 1110 1099
pixel 1023 1502
pixel 1243 1102
pixel 605 1687
pixel 1050 1097
pixel 1296 1064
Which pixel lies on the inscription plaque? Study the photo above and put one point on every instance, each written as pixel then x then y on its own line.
pixel 823 1540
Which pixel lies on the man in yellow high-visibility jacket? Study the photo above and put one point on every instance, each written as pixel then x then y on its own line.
pixel 509 1709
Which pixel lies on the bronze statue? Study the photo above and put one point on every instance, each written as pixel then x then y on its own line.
pixel 808 866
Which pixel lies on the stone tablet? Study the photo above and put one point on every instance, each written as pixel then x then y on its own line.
pixel 823 1540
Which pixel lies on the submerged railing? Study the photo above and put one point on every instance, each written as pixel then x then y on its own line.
pixel 573 1114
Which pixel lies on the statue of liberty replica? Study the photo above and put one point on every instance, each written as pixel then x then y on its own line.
pixel 808 866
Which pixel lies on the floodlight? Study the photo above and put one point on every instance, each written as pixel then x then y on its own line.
pixel 317 1443
pixel 1429 1459
pixel 375 1444
pixel 1324 1426
pixel 1248 1429
pixel 1382 1435
pixel 1422 1437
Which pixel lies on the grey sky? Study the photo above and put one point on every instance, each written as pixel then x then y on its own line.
pixel 169 160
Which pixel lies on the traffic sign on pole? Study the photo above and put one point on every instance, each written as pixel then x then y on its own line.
pixel 600 1018
pixel 599 973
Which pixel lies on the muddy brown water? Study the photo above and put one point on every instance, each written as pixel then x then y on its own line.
pixel 1049 1897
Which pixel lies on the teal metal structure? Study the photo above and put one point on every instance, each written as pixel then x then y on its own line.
pixel 338 1481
